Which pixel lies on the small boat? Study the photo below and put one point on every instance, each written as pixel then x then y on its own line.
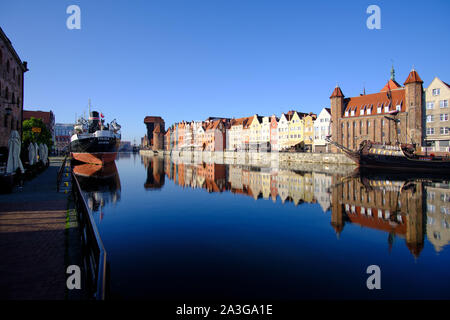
pixel 93 142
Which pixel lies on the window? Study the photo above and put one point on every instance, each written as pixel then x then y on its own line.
pixel 430 118
pixel 430 105
pixel 444 130
pixel 436 92
pixel 430 130
pixel 398 107
pixel 444 117
pixel 369 111
pixel 443 103
pixel 379 109
pixel 346 113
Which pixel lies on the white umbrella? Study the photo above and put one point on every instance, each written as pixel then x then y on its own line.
pixel 46 153
pixel 37 152
pixel 14 153
pixel 42 153
pixel 31 154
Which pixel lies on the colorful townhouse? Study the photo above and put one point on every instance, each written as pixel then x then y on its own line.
pixel 264 141
pixel 283 132
pixel 308 130
pixel 437 132
pixel 255 133
pixel 274 133
pixel 322 129
pixel 295 128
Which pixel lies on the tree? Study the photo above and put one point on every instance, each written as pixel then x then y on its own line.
pixel 30 135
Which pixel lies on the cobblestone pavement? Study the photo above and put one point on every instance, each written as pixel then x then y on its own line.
pixel 32 240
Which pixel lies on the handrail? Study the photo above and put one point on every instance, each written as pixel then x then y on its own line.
pixel 94 253
pixel 60 172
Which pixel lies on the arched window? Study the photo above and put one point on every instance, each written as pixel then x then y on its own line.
pixel 1 57
pixel 18 102
pixel 6 93
pixel 7 65
pixel 18 79
pixel 13 98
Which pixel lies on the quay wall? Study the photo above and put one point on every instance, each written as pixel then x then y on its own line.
pixel 321 162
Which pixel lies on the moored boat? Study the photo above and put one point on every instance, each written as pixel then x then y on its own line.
pixel 93 142
pixel 400 157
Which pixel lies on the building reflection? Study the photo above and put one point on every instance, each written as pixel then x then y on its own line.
pixel 155 172
pixel 406 209
pixel 100 184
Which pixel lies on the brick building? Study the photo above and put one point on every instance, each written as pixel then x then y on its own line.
pixel 155 132
pixel 12 71
pixel 370 116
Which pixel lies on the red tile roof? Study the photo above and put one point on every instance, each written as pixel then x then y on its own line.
pixel 374 100
pixel 413 77
pixel 337 92
pixel 391 84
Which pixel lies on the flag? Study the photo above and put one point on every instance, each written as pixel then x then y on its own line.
pixel 101 115
pixel 389 96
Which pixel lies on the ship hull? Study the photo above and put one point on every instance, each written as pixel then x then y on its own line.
pixel 401 163
pixel 95 150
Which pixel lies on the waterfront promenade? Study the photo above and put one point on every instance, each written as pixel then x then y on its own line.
pixel 33 239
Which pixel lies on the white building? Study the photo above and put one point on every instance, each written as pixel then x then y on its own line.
pixel 322 129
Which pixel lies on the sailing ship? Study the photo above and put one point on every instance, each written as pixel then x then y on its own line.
pixel 93 141
pixel 401 156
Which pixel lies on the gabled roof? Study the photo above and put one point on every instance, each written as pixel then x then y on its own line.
pixel 391 84
pixel 413 77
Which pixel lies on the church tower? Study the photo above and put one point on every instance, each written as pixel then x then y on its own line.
pixel 414 108
pixel 337 111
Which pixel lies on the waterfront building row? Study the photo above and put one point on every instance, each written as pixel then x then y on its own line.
pixel 396 114
pixel 293 129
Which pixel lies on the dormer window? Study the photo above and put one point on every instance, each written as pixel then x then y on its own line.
pixel 352 113
pixel 398 107
pixel 386 108
pixel 436 92
pixel 379 108
pixel 361 111
pixel 346 113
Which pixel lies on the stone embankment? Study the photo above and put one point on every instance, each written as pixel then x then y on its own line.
pixel 318 162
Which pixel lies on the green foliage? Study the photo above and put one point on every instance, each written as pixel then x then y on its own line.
pixel 39 137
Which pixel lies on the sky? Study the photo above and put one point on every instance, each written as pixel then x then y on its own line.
pixel 191 59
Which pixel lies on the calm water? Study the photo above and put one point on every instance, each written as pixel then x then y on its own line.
pixel 211 231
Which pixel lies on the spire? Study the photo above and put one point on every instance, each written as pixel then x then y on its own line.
pixel 392 73
pixel 413 77
pixel 337 92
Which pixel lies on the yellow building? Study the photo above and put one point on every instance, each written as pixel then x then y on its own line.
pixel 255 133
pixel 295 127
pixel 308 129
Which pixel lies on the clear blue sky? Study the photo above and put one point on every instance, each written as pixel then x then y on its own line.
pixel 190 59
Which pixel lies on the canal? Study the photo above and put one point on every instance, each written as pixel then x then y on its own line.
pixel 183 230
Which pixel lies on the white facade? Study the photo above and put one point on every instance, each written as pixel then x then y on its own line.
pixel 322 129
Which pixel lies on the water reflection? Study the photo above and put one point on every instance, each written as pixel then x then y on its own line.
pixel 405 208
pixel 101 184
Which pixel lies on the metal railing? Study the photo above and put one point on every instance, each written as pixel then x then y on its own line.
pixel 60 173
pixel 93 251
